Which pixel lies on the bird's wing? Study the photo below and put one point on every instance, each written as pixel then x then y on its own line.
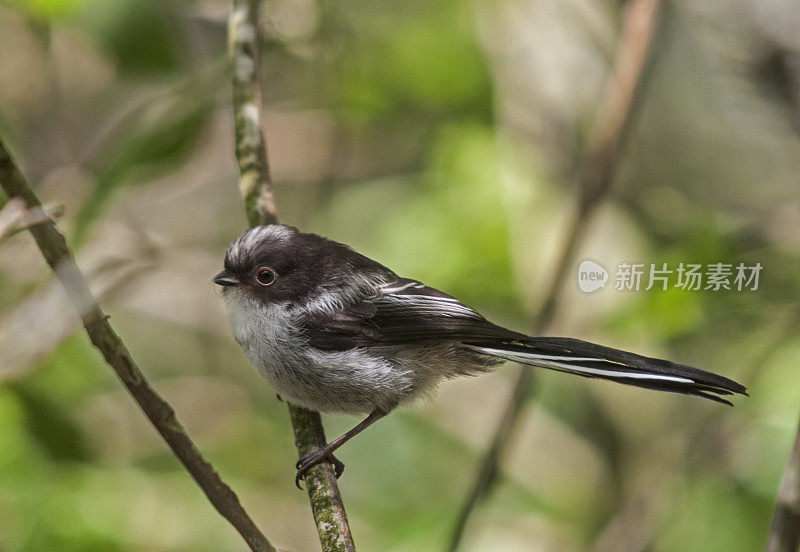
pixel 400 312
pixel 406 312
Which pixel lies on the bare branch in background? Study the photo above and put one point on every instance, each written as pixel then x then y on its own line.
pixel 56 252
pixel 23 348
pixel 15 216
pixel 256 188
pixel 597 171
pixel 785 533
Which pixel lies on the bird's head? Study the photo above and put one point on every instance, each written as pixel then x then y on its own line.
pixel 273 263
pixel 280 264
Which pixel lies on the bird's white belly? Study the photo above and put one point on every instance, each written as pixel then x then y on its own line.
pixel 346 381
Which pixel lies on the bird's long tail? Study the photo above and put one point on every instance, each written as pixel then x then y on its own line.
pixel 595 361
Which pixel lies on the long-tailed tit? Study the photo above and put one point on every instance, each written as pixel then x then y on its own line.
pixel 335 331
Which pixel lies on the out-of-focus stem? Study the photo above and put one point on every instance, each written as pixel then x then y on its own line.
pixel 613 118
pixel 785 533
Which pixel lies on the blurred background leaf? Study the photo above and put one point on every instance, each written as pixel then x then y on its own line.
pixel 442 139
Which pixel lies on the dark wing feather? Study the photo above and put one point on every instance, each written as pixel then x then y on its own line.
pixel 400 313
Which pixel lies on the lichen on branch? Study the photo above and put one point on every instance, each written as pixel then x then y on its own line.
pixel 255 185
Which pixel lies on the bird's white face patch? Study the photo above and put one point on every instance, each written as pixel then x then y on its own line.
pixel 259 328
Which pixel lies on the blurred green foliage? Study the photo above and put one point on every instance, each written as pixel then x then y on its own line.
pixel 439 137
pixel 143 37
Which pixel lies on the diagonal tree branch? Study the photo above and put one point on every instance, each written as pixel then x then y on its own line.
pixel 256 188
pixel 785 533
pixel 613 118
pixel 56 252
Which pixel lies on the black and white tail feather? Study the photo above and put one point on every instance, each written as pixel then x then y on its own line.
pixel 595 361
pixel 405 312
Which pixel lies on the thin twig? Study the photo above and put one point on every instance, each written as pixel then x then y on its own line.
pixel 56 252
pixel 244 41
pixel 785 533
pixel 10 216
pixel 256 188
pixel 21 349
pixel 15 217
pixel 613 118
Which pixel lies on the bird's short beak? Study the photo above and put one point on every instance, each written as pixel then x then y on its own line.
pixel 225 279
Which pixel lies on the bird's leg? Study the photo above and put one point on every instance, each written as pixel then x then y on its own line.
pixel 326 453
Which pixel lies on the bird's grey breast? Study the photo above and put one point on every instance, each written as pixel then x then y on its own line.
pixel 342 381
pixel 265 331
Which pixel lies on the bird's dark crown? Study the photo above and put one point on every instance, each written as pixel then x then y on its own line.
pixel 268 245
pixel 304 263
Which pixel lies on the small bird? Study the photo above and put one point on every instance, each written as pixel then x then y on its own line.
pixel 335 331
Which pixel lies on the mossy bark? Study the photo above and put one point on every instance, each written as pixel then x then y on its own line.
pixel 256 189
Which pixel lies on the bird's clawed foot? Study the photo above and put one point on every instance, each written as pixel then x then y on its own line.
pixel 312 459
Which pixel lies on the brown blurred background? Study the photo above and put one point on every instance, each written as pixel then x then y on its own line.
pixel 442 138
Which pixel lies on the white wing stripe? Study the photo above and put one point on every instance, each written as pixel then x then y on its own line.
pixel 436 307
pixel 396 289
pixel 577 359
pixel 429 298
pixel 424 304
pixel 550 361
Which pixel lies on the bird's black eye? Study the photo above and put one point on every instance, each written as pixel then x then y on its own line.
pixel 265 276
